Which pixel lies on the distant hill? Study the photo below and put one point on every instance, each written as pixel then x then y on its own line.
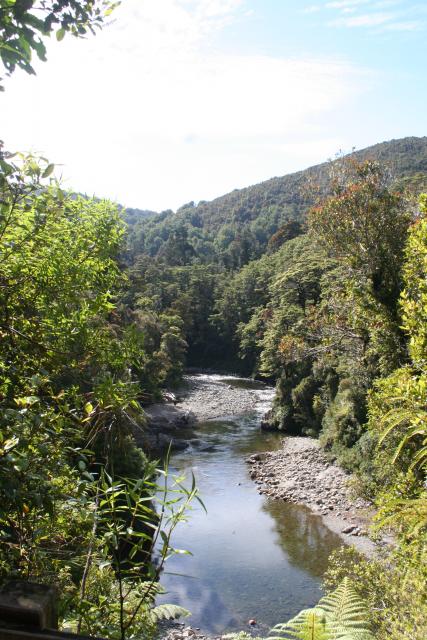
pixel 236 227
pixel 132 216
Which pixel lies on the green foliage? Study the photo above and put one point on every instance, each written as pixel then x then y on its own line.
pixel 398 414
pixel 57 272
pixel 133 521
pixel 344 417
pixel 393 588
pixel 308 624
pixel 176 301
pixel 349 333
pixel 317 324
pixel 340 615
pixel 238 227
pixel 239 307
pixel 414 297
pixel 325 327
pixel 364 222
pixel 24 24
pixel 206 262
pixel 74 365
pixel 84 344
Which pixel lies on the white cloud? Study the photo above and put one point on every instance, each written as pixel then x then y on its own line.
pixel 353 5
pixel 405 26
pixel 384 4
pixel 365 20
pixel 345 4
pixel 402 15
pixel 314 8
pixel 151 113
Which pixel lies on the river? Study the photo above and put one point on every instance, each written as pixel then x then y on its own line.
pixel 252 558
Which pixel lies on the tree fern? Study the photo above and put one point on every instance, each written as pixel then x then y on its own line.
pixel 168 612
pixel 309 624
pixel 346 613
pixel 341 615
pixel 416 421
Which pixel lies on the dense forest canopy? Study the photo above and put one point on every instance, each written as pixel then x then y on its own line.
pixel 222 236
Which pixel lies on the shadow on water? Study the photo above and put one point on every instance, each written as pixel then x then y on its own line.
pixel 252 557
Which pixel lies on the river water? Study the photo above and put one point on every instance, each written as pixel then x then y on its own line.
pixel 252 558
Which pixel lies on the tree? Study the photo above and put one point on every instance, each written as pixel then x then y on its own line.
pixel 25 24
pixel 364 223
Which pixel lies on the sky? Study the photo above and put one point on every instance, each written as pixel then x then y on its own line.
pixel 181 100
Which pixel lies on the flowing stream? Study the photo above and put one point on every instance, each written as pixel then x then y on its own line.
pixel 252 558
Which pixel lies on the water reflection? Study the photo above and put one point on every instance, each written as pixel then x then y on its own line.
pixel 302 535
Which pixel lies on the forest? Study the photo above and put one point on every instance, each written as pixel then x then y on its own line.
pixel 315 282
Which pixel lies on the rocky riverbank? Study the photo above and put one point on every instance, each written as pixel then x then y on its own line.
pixel 299 472
pixel 201 398
pixel 214 396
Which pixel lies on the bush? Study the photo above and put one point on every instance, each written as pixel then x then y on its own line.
pixel 392 586
pixel 342 425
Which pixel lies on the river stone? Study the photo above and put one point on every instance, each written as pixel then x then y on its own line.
pixel 349 529
pixel 161 416
pixel 259 457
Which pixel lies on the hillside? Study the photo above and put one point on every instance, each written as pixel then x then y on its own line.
pixel 235 228
pixel 406 158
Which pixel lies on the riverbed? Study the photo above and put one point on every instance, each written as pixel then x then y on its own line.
pixel 253 558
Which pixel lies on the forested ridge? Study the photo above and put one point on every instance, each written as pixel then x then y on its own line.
pixel 315 282
pixel 237 227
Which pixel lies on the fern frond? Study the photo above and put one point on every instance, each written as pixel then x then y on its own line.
pixel 309 624
pixel 420 458
pixel 168 612
pixel 399 416
pixel 412 513
pixel 340 615
pixel 346 614
pixel 416 430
